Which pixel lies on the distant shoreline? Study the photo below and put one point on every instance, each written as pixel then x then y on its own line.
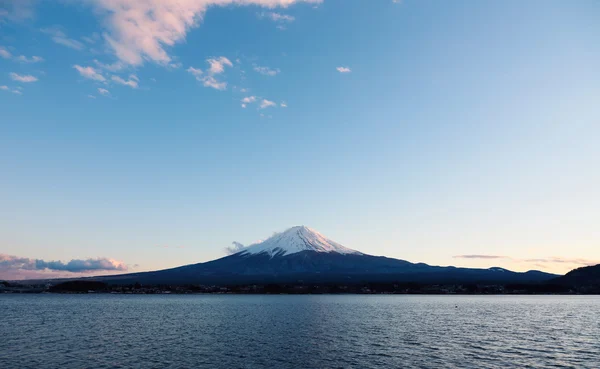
pixel 97 287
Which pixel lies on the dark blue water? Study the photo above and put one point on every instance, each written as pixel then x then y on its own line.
pixel 229 331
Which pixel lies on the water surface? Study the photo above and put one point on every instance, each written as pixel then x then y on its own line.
pixel 241 331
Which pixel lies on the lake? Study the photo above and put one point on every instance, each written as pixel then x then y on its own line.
pixel 319 331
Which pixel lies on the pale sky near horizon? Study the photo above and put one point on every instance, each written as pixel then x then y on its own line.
pixel 145 134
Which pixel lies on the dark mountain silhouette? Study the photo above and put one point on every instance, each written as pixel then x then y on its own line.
pixel 301 254
pixel 585 276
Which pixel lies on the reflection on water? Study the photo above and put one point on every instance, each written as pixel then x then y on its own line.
pixel 216 331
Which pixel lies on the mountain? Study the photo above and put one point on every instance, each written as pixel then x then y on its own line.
pixel 302 254
pixel 585 276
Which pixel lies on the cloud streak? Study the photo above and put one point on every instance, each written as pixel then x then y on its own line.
pixel 5 54
pixel 131 82
pixel 277 17
pixel 480 257
pixel 23 78
pixel 90 73
pixel 267 104
pixel 266 71
pixel 9 262
pixel 59 37
pixel 234 248
pixel 547 260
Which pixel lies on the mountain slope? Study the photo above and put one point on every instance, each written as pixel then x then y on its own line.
pixel 302 254
pixel 585 276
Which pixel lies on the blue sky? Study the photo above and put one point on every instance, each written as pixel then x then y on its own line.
pixel 149 134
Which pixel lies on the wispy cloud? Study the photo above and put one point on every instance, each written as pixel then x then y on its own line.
pixel 16 91
pixel 480 257
pixel 5 54
pixel 103 92
pixel 59 37
pixel 141 30
pixel 266 71
pixel 195 72
pixel 133 83
pixel 267 104
pixel 212 82
pixel 248 100
pixel 23 78
pixel 343 69
pixel 74 266
pixel 277 17
pixel 91 39
pixel 90 73
pixel 33 59
pixel 559 260
pixel 114 67
pixel 234 248
pixel 216 67
pixel 545 260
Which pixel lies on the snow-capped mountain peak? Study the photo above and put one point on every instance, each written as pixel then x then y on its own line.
pixel 294 240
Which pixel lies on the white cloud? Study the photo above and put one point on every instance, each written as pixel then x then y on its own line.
pixel 266 71
pixel 131 82
pixel 90 73
pixel 91 96
pixel 277 17
pixel 140 30
pixel 59 37
pixel 5 53
pixel 33 59
pixel 195 72
pixel 134 77
pixel 343 69
pixel 267 104
pixel 283 104
pixel 23 78
pixel 114 67
pixel 217 66
pixel 4 88
pixel 17 92
pixel 103 92
pixel 210 81
pixel 249 99
pixel 73 44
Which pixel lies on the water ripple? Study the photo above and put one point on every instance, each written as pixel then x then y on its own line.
pixel 108 331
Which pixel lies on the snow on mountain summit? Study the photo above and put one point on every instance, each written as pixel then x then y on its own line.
pixel 294 240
